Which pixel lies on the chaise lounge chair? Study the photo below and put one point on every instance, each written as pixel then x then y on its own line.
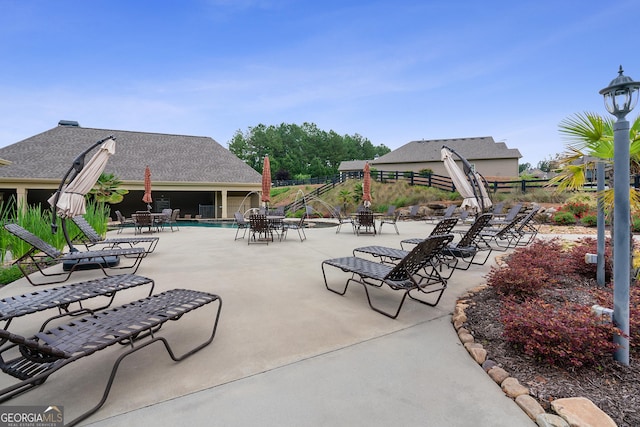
pixel 90 238
pixel 444 226
pixel 32 360
pixel 470 245
pixel 63 297
pixel 401 277
pixel 42 255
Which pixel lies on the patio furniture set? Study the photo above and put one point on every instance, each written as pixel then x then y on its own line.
pixel 419 272
pixel 94 325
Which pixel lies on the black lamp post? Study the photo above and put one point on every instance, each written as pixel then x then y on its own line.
pixel 619 98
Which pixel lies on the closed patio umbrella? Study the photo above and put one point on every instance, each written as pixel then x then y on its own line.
pixel 469 202
pixel 266 182
pixel 69 200
pixel 366 186
pixel 147 187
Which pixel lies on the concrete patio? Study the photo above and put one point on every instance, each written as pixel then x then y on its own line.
pixel 287 351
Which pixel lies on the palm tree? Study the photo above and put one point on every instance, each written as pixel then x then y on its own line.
pixel 590 139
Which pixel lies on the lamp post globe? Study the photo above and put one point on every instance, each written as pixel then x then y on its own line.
pixel 620 97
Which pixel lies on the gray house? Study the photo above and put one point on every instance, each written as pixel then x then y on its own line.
pixel 490 158
pixel 192 173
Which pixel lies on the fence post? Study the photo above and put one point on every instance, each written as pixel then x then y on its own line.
pixel 523 186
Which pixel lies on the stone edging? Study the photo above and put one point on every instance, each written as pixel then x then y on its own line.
pixel 573 411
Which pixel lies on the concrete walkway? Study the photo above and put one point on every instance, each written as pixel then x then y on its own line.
pixel 287 352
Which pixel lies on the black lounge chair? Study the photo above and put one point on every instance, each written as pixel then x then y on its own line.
pixel 32 360
pixel 90 238
pixel 42 255
pixel 502 238
pixel 527 229
pixel 401 277
pixel 444 226
pixel 299 226
pixel 63 297
pixel 470 245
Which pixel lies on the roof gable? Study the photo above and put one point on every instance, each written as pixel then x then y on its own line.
pixel 478 148
pixel 171 158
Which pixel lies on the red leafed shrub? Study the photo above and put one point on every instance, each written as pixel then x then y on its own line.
pixel 530 269
pixel 566 335
pixel 605 299
pixel 547 254
pixel 589 245
pixel 519 280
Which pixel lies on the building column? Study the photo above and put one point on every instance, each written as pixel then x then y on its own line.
pixel 223 211
pixel 21 198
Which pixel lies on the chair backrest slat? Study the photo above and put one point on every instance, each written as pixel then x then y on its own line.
pixel 474 231
pixel 418 257
pixel 444 226
pixel 33 240
pixel 87 229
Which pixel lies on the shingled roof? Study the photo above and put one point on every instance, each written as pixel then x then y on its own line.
pixel 172 158
pixel 479 148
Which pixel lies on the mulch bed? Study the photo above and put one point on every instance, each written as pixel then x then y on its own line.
pixel 613 387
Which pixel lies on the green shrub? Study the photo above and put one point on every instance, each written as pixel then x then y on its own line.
pixel 590 219
pixel 564 218
pixel 578 209
pixel 9 274
pixel 566 335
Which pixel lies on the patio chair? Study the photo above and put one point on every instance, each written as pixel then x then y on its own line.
pixel 448 213
pixel 442 227
pixel 89 237
pixel 298 226
pixel 414 213
pixel 510 215
pixel 470 245
pixel 502 238
pixel 32 360
pixel 163 219
pixel 400 277
pixel 143 219
pixel 391 217
pixel 42 255
pixel 172 221
pixel 527 229
pixel 343 220
pixel 123 222
pixel 66 296
pixel 364 223
pixel 387 255
pixel 260 230
pixel 241 224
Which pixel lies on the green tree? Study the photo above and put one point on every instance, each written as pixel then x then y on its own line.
pixel 523 167
pixel 590 139
pixel 304 149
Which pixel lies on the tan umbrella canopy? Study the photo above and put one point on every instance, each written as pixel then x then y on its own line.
pixel 366 186
pixel 459 179
pixel 470 200
pixel 147 187
pixel 266 182
pixel 69 200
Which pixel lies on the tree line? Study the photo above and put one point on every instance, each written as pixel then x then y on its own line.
pixel 300 151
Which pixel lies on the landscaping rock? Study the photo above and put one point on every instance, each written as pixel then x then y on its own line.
pixel 581 412
pixel 478 354
pixel 513 388
pixel 498 375
pixel 529 405
pixel 551 420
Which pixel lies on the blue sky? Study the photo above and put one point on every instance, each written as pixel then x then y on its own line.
pixel 391 71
